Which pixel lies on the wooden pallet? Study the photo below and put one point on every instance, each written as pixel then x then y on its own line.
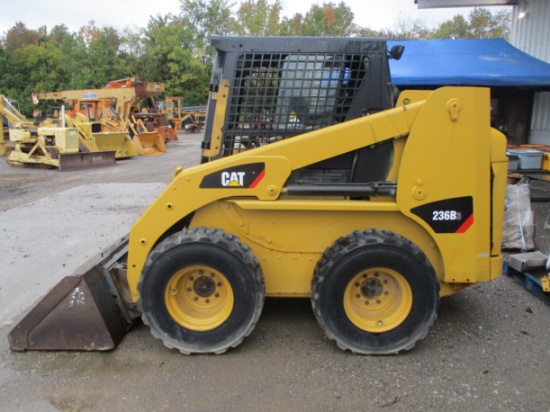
pixel 534 282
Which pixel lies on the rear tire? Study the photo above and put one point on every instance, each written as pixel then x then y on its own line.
pixel 202 291
pixel 375 292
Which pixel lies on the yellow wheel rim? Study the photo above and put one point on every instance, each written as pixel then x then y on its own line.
pixel 199 298
pixel 378 300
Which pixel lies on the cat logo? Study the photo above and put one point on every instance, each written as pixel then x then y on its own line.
pixel 246 176
pixel 233 179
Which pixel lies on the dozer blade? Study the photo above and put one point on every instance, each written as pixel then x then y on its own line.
pixel 149 143
pixel 78 314
pixel 82 160
pixel 117 141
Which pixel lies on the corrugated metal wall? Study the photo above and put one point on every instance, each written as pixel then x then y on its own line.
pixel 532 35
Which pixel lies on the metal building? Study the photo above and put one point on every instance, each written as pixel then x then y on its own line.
pixel 531 33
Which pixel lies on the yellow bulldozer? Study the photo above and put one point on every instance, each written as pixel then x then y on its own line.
pixel 96 139
pixel 49 145
pixel 114 110
pixel 14 124
pixel 313 186
pixel 191 118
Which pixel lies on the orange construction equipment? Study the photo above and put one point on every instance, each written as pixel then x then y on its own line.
pixel 116 107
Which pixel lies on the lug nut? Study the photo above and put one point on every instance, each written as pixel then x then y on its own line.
pixel 380 323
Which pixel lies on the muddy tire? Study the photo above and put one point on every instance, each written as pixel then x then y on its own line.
pixel 375 292
pixel 202 291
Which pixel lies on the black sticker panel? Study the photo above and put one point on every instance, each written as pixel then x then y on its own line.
pixel 237 177
pixel 448 216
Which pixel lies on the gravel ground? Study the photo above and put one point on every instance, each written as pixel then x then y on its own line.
pixel 488 350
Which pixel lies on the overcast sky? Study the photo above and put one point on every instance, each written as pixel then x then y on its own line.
pixel 374 14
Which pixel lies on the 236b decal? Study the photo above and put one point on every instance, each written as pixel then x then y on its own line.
pixel 446 215
pixel 454 215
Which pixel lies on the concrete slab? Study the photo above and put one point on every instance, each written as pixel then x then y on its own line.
pixel 43 241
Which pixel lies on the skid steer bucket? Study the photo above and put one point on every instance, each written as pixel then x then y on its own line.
pixel 118 141
pixel 84 160
pixel 78 314
pixel 168 134
pixel 84 312
pixel 149 143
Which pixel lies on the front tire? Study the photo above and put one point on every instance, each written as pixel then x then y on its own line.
pixel 202 291
pixel 375 292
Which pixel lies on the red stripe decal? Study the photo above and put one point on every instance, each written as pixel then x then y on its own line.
pixel 257 180
pixel 466 225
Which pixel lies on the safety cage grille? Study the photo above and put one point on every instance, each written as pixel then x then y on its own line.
pixel 274 96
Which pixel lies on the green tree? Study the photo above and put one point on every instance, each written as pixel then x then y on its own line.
pixel 365 32
pixel 19 36
pixel 7 80
pixel 481 24
pixel 258 18
pixel 293 26
pixel 330 19
pixel 457 28
pixel 133 51
pixel 73 63
pixel 204 18
pixel 406 29
pixel 170 56
pixel 93 57
pixel 343 23
pixel 59 33
pixel 484 24
pixel 104 57
pixel 38 69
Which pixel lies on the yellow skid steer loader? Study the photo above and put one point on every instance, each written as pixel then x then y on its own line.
pixel 310 186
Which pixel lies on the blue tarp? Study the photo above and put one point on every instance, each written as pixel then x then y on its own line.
pixel 491 62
